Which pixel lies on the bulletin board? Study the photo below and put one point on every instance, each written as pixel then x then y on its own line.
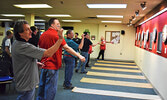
pixel 112 37
pixel 152 38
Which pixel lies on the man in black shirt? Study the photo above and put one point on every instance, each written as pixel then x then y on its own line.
pixel 76 39
pixel 35 36
pixel 84 52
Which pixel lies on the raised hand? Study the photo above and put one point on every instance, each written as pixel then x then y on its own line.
pixel 60 33
pixel 82 35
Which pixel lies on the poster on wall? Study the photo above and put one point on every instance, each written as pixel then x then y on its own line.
pixel 115 39
pixel 142 38
pixel 93 37
pixel 164 33
pixel 1 33
pixel 146 38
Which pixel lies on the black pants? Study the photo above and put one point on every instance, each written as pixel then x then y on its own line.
pixel 8 59
pixel 101 53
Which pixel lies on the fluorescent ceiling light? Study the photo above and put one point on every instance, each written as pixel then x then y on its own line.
pixel 58 15
pixel 6 20
pixel 12 15
pixel 39 20
pixel 110 16
pixel 107 5
pixel 71 20
pixel 155 15
pixel 32 6
pixel 111 21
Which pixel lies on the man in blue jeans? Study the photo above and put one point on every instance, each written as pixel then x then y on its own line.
pixel 84 52
pixel 69 59
pixel 49 73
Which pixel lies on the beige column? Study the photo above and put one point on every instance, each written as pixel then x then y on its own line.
pixel 30 19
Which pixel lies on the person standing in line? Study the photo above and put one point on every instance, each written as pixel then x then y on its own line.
pixel 6 50
pixel 24 57
pixel 102 48
pixel 84 52
pixel 70 59
pixel 89 52
pixel 35 36
pixel 49 73
pixel 77 40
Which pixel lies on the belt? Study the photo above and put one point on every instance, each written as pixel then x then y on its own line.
pixel 68 55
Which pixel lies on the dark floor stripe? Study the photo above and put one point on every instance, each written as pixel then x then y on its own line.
pixel 118 79
pixel 116 67
pixel 106 71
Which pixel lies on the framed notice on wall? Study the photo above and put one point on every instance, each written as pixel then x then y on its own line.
pixel 1 33
pixel 108 36
pixel 112 37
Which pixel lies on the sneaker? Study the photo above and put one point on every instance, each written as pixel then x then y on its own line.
pixel 76 70
pixel 68 87
pixel 83 72
pixel 88 66
pixel 65 85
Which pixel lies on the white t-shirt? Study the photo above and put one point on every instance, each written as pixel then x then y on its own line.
pixel 8 44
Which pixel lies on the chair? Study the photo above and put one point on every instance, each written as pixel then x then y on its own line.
pixel 3 81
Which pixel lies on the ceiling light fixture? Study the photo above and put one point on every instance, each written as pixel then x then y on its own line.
pixel 109 16
pixel 32 6
pixel 137 13
pixel 143 5
pixel 111 21
pixel 71 20
pixel 58 15
pixel 6 20
pixel 12 15
pixel 155 15
pixel 107 5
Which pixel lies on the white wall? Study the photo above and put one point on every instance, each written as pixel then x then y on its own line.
pixel 126 46
pixel 1 37
pixel 155 69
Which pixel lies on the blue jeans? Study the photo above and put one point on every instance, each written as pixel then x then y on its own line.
pixel 82 64
pixel 48 84
pixel 69 67
pixel 27 95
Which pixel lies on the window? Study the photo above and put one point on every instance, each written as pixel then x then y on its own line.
pixel 150 46
pixel 159 44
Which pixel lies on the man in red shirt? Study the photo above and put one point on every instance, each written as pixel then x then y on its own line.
pixel 49 73
pixel 102 48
